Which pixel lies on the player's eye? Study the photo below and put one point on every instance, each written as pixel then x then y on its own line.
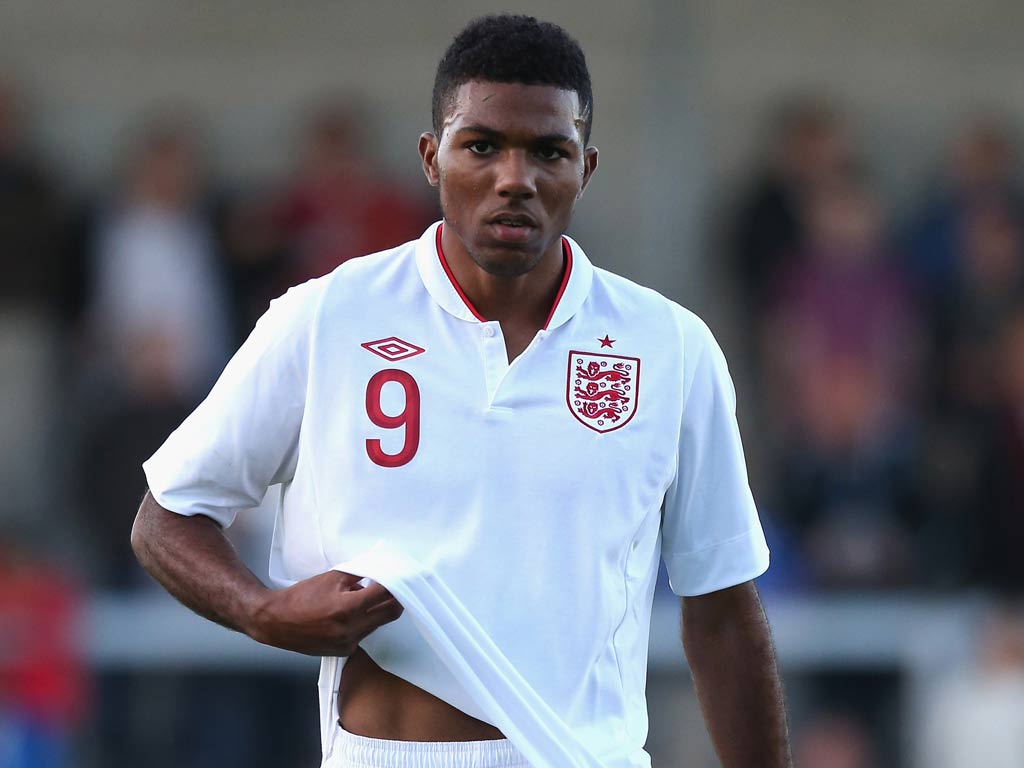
pixel 481 147
pixel 550 153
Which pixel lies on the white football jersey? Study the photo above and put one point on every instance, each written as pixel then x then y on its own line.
pixel 540 493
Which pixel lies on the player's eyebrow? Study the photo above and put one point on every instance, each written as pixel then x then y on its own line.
pixel 491 133
pixel 554 138
pixel 481 129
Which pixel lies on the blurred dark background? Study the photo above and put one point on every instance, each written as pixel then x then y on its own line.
pixel 836 189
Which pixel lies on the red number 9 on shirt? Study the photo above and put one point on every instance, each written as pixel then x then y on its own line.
pixel 408 418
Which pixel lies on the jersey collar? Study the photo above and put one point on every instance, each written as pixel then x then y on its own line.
pixel 445 291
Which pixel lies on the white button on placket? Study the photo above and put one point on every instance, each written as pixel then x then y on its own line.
pixel 495 359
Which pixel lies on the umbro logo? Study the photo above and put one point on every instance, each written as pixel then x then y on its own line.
pixel 392 348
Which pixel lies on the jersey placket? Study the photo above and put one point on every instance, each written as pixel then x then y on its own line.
pixel 492 346
pixel 495 357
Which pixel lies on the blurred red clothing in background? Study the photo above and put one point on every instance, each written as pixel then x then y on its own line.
pixel 42 676
pixel 339 205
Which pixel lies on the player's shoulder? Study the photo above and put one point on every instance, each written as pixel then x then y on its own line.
pixel 611 290
pixel 649 306
pixel 374 269
pixel 357 281
pixel 345 287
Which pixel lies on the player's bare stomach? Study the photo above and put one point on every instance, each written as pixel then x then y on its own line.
pixel 379 705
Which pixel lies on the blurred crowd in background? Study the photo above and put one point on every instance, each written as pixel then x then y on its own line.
pixel 117 312
pixel 888 351
pixel 883 401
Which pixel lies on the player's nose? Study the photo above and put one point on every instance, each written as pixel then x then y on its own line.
pixel 516 176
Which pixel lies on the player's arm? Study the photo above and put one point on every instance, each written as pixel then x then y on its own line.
pixel 729 647
pixel 326 615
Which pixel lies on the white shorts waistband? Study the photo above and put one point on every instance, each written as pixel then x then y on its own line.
pixel 352 751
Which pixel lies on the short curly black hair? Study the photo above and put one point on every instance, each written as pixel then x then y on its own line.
pixel 511 48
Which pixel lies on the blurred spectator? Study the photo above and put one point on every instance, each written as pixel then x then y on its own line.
pixel 840 359
pixel 28 213
pixel 810 149
pixel 970 461
pixel 158 331
pixel 977 717
pixel 29 239
pixel 997 522
pixel 339 205
pixel 255 252
pixel 991 268
pixel 158 314
pixel 42 681
pixel 982 167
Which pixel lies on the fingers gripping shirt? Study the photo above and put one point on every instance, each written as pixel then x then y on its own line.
pixel 539 493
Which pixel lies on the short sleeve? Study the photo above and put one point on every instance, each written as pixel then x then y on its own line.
pixel 244 436
pixel 711 535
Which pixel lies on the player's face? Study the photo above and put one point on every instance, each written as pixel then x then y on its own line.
pixel 510 165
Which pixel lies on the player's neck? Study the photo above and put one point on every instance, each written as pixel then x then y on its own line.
pixel 524 301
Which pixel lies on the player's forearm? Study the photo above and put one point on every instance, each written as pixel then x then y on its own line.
pixel 325 615
pixel 193 560
pixel 729 647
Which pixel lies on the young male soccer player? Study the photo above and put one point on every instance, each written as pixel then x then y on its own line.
pixel 503 440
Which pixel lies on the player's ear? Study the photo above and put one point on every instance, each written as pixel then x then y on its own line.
pixel 428 157
pixel 589 166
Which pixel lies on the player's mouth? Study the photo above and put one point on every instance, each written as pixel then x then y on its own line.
pixel 512 227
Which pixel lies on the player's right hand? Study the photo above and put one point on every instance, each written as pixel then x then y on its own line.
pixel 325 615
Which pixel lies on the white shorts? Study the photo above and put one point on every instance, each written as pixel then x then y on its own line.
pixel 351 751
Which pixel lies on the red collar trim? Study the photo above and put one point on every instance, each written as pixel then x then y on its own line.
pixel 454 282
pixel 566 251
